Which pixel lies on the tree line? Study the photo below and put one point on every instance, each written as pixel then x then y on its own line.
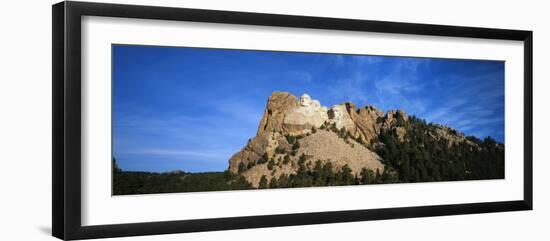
pixel 423 158
pixel 127 182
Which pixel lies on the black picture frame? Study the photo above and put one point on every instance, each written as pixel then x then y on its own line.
pixel 66 47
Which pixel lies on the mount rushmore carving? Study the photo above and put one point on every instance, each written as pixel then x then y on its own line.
pixel 286 118
pixel 300 135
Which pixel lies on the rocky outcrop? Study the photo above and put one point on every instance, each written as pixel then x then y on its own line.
pixel 395 120
pixel 343 135
pixel 340 116
pixel 451 136
pixel 279 105
pixel 323 146
pixel 270 131
pixel 366 121
pixel 255 148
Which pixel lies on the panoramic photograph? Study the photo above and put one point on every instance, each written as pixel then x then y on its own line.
pixel 188 119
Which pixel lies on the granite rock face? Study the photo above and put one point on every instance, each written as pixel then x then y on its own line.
pixel 279 105
pixel 309 114
pixel 343 135
pixel 288 119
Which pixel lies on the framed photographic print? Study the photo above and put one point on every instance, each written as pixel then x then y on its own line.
pixel 169 120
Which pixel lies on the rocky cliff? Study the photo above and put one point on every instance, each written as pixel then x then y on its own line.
pixel 295 133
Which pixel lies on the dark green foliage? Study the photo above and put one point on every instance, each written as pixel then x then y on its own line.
pixel 263 159
pixel 286 160
pixel 342 133
pixel 263 182
pixel 367 176
pixel 282 181
pixel 270 164
pixel 345 176
pixel 273 183
pixel 115 167
pixel 359 140
pixel 400 119
pixel 146 182
pixel 242 167
pixel 280 150
pixel 422 158
pixel 302 159
pixel 321 175
pixel 388 176
pixel 237 183
pixel 293 140
pixel 332 127
pixel 290 139
pixel 377 177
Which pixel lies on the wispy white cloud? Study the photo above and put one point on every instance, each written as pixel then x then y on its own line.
pixel 212 135
pixel 367 84
pixel 446 110
pixel 473 105
pixel 395 87
pixel 351 88
pixel 206 154
pixel 238 111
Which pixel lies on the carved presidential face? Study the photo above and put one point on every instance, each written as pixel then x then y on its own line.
pixel 335 113
pixel 305 100
pixel 315 104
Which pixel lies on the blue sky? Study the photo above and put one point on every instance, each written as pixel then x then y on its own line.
pixel 191 109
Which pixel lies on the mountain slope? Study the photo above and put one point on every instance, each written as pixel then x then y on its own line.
pixel 298 137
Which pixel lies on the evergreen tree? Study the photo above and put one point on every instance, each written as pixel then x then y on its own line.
pixel 286 159
pixel 273 183
pixel 295 146
pixel 347 177
pixel 116 169
pixel 241 167
pixel 263 182
pixel 270 164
